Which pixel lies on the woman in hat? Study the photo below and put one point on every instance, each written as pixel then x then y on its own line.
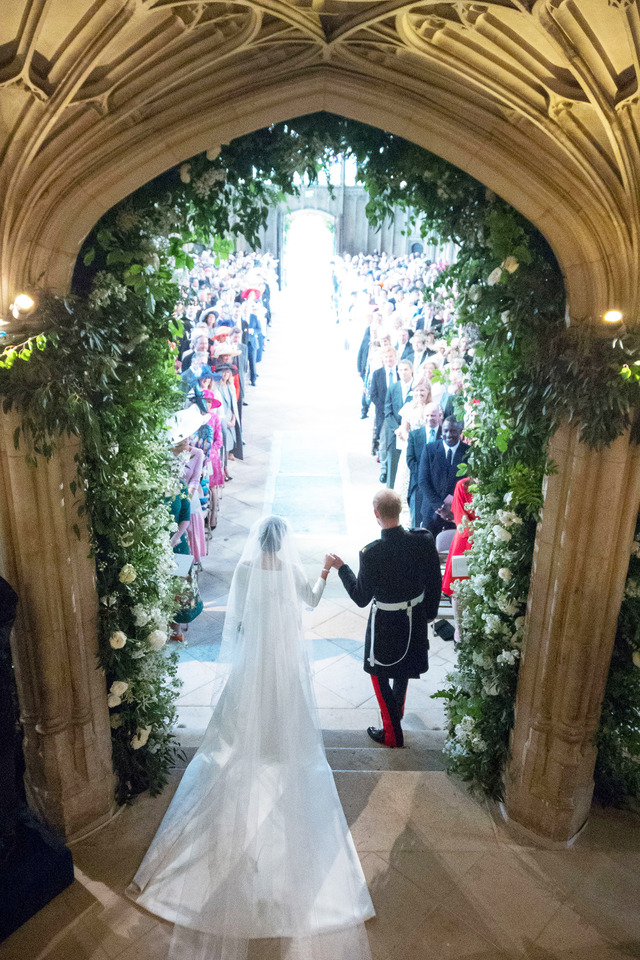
pixel 229 416
pixel 209 439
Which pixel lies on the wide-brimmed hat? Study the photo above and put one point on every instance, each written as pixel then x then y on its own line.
pixel 219 333
pixel 221 367
pixel 245 293
pixel 184 424
pixel 225 349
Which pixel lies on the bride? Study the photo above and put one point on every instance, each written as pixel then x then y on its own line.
pixel 255 845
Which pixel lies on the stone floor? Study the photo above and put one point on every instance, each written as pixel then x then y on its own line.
pixel 449 879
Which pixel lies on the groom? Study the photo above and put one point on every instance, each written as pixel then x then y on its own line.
pixel 400 573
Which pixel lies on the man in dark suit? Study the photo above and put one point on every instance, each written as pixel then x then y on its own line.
pixel 381 380
pixel 400 573
pixel 397 395
pixel 438 476
pixel 416 442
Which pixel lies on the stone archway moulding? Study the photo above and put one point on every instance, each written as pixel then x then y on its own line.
pixel 64 204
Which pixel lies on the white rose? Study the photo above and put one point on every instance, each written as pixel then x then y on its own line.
pixel 140 737
pixel 636 658
pixel 510 264
pixel 157 639
pixel 113 701
pixel 494 276
pixel 508 497
pixel 505 574
pixel 501 534
pixel 118 687
pixel 118 639
pixel 127 574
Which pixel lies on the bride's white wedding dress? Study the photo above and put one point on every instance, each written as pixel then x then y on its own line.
pixel 255 845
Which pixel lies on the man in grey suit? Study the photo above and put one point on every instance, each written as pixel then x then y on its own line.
pixel 417 440
pixel 397 395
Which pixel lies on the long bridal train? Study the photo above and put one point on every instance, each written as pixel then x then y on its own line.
pixel 254 857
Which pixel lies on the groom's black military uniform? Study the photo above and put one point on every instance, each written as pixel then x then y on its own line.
pixel 401 573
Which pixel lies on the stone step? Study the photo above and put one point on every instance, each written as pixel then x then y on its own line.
pixel 414 757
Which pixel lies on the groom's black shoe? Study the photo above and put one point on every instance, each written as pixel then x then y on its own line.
pixel 375 734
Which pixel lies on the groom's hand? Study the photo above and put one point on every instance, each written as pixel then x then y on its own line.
pixel 336 561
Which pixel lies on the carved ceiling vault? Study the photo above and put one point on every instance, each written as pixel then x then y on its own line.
pixel 537 98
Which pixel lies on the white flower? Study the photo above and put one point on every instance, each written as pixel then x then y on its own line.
pixel 631 588
pixel 505 574
pixel 492 690
pixel 636 658
pixel 115 721
pixel 493 622
pixel 113 701
pixel 157 639
pixel 475 293
pixel 494 276
pixel 118 639
pixel 505 316
pixel 213 152
pixel 140 737
pixel 635 549
pixel 519 624
pixel 140 615
pixel 127 574
pixel 508 657
pixel 118 687
pixel 185 173
pixel 127 540
pixel 510 264
pixel 501 534
pixel 508 497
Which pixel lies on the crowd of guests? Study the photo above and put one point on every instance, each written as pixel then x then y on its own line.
pixel 225 313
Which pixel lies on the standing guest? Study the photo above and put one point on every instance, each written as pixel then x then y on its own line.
pixel 419 353
pixel 462 516
pixel 398 395
pixel 209 439
pixel 438 476
pixel 229 417
pixel 381 380
pixel 191 476
pixel 406 344
pixel 400 573
pixel 238 344
pixel 414 415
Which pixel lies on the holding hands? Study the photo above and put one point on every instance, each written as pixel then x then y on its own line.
pixel 331 561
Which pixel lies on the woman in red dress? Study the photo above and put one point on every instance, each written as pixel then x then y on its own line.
pixel 461 541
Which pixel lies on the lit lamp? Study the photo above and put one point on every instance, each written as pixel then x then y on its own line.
pixel 23 303
pixel 612 316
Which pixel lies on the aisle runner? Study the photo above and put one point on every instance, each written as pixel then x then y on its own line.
pixel 305 483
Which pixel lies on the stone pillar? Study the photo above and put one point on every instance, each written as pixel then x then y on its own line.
pixel 67 744
pixel 580 564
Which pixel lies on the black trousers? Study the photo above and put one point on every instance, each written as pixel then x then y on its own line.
pixel 391 702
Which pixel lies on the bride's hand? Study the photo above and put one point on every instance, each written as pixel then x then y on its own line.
pixel 328 562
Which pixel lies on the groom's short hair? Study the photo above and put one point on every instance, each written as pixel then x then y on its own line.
pixel 388 504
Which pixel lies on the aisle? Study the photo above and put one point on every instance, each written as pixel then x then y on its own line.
pixel 307 458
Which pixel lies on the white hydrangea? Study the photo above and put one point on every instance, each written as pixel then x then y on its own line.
pixel 505 574
pixel 493 622
pixel 140 615
pixel 508 518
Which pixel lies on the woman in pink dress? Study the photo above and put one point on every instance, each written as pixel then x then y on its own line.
pixel 191 476
pixel 210 441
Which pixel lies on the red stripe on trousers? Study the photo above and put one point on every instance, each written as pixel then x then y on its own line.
pixel 389 733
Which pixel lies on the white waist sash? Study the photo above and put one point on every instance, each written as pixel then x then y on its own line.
pixel 407 605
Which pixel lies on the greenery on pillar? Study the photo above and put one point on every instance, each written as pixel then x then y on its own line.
pixel 104 368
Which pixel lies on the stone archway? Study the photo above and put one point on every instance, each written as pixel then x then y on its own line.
pixel 538 104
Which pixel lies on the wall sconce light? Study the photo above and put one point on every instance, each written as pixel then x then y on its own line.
pixel 23 303
pixel 612 316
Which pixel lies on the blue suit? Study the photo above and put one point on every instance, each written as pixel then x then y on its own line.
pixel 437 480
pixel 416 443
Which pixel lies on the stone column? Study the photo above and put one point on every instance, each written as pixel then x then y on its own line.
pixel 580 564
pixel 67 743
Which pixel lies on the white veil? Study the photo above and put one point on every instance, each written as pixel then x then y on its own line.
pixel 255 846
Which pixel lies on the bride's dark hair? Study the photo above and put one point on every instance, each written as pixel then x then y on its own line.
pixel 271 533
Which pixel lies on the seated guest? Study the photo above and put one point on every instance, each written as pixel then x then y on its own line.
pixel 438 476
